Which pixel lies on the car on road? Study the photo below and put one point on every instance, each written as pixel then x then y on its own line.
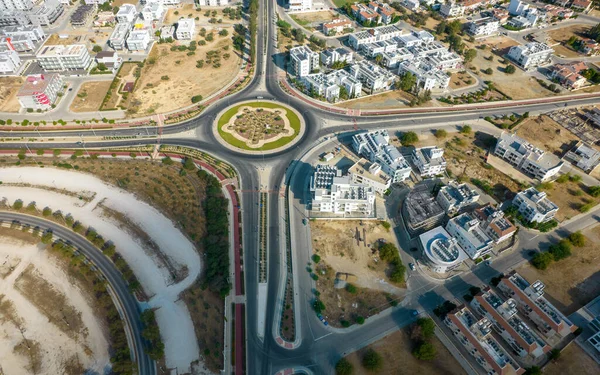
pixel 304 221
pixel 412 266
pixel 415 313
pixel 488 262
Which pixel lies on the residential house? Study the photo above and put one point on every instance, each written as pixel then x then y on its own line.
pixel 569 74
pixel 581 5
pixel 110 59
pixel 336 26
pixel 494 223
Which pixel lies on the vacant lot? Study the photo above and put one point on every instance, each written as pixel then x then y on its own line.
pixel 396 350
pixel 563 35
pixel 90 96
pixel 547 134
pixel 386 100
pixel 306 19
pixel 570 197
pixel 573 360
pixel 460 80
pixel 572 282
pixel 170 78
pixel 9 86
pixel 190 11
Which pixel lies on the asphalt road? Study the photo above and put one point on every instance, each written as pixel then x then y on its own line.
pixel 130 307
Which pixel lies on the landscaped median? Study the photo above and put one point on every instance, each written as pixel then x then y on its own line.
pixel 259 126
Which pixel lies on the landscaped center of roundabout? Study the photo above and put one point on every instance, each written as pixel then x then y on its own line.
pixel 259 126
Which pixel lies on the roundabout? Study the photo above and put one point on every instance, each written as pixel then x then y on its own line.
pixel 258 126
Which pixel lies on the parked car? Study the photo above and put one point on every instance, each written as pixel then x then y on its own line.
pixel 412 266
pixel 304 221
pixel 415 312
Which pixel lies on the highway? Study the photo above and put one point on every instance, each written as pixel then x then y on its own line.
pixel 321 347
pixel 127 301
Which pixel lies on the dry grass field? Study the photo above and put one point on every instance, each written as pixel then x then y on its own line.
pixel 89 97
pixel 190 10
pixel 562 35
pixel 9 86
pixel 547 134
pixel 573 360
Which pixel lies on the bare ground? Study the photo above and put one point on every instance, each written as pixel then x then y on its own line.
pixel 90 96
pixel 562 35
pixel 9 86
pixel 573 360
pixel 547 134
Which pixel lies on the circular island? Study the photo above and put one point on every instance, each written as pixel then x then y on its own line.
pixel 259 126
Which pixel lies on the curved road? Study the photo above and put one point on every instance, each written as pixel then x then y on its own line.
pixel 129 305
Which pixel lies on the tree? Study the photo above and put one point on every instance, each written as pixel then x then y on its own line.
pixel 427 327
pixel 223 32
pixel 510 69
pixel 316 258
pixel 441 133
pixel 196 98
pixel 372 360
pixel 47 211
pixel 102 67
pixel 388 252
pixel 319 306
pixel 554 354
pixel 533 370
pixel 594 191
pixel 409 138
pixel 209 37
pixel 97 48
pixel 188 163
pixel 344 367
pixel 466 129
pixel 425 351
pixel 577 239
pixel 18 204
pixel 360 320
pixel 47 237
pixel 407 81
pixel 488 71
pixel 470 54
pixel 561 250
pixel 351 289
pixel 541 261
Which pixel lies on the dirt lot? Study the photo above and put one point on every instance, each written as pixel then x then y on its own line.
pixel 189 10
pixel 573 360
pixel 396 349
pixel 173 79
pixel 89 97
pixel 562 36
pixel 388 99
pixel 547 134
pixel 570 197
pixel 572 282
pixel 336 242
pixel 9 86
pixel 118 3
pixel 460 80
pixel 310 17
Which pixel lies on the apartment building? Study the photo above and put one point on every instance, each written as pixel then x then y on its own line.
pixel 534 206
pixel 337 194
pixel 531 303
pixel 517 7
pixel 329 85
pixel 494 223
pixel 333 55
pixel 10 62
pixel 126 13
pixel 62 58
pixel 169 2
pixel 420 210
pixel 584 156
pixel 336 26
pixel 377 48
pixel 452 10
pixel 186 28
pixel 20 38
pixel 16 4
pixel 40 91
pixel 375 147
pixel 373 35
pixel 376 12
pixel 503 314
pixel 370 174
pixel 441 250
pixel 476 336
pixel 392 60
pixel 429 160
pixel 483 27
pixel 454 197
pixel 110 59
pixel 412 5
pixel 373 77
pixel 83 14
pixel 119 36
pixel 531 55
pixel 303 61
pixel 428 77
pixel 213 3
pixel 299 5
pixel 138 40
pixel 415 38
pixel 526 157
pixel 569 74
pixel 46 13
pixel 153 11
pixel 471 237
pixel 527 19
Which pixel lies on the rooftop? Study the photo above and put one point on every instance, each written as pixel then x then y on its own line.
pixel 35 84
pixel 421 205
pixel 441 248
pixel 58 50
pixel 363 167
pixel 537 199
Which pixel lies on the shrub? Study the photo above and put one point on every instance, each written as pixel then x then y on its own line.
pixel 466 129
pixel 595 191
pixel 410 138
pixel 425 351
pixel 47 211
pixel 18 204
pixel 319 306
pixel 344 367
pixel 441 133
pixel 316 258
pixel 167 160
pixel 427 327
pixel 510 69
pixel 351 288
pixel 577 239
pixel 561 250
pixel 372 360
pixel 196 98
pixel 533 370
pixel 360 320
pixel 541 261
pixel 554 354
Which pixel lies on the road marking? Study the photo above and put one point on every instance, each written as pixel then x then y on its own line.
pixel 319 338
pixel 532 238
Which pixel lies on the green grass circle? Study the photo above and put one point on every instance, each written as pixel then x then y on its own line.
pixel 229 138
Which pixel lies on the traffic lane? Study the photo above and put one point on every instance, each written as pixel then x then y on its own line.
pixel 113 276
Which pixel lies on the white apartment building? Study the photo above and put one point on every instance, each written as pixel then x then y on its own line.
pixel 373 35
pixel 126 13
pixel 138 40
pixel 413 5
pixel 163 2
pixel 40 91
pixel 22 38
pixel 454 197
pixel 483 27
pixel 119 35
pixel 526 157
pixel 429 160
pixel 377 48
pixel 329 85
pixel 452 10
pixel 299 5
pixel 392 60
pixel 415 38
pixel 531 303
pixel 61 58
pixel 373 77
pixel 213 3
pixel 10 62
pixel 584 156
pixel 331 56
pixel 428 76
pixel 476 336
pixel 471 237
pixel 334 193
pixel 517 7
pixel 442 252
pixel 370 174
pixel 303 61
pixel 16 4
pixel 186 28
pixel 153 11
pixel 531 55
pixel 503 314
pixel 46 13
pixel 534 206
pixel 494 223
pixel 375 147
